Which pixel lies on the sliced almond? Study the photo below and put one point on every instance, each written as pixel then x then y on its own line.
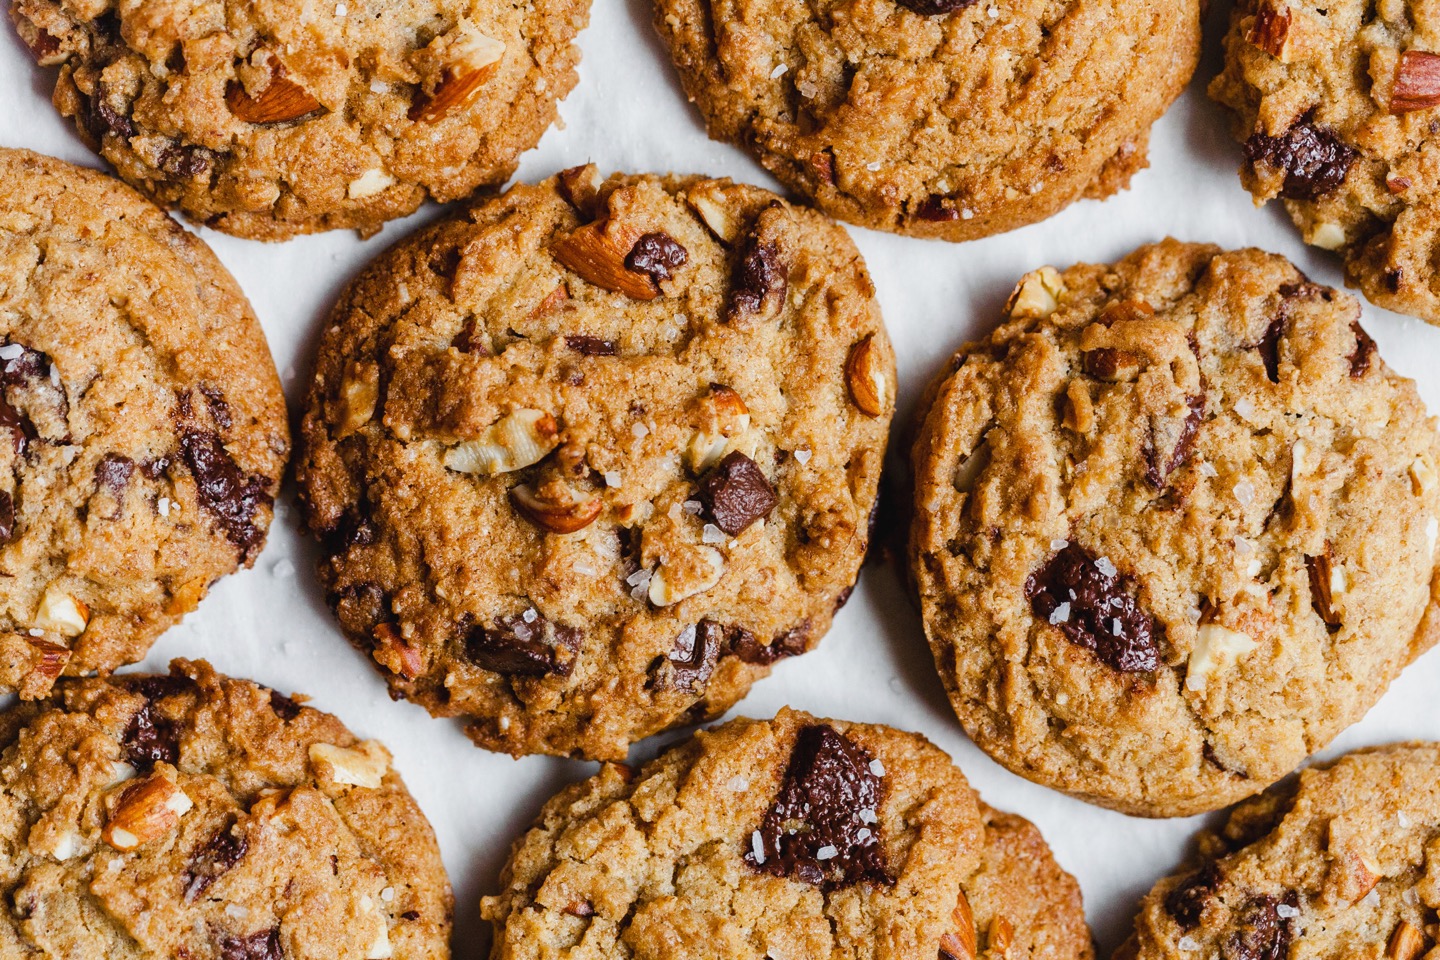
pixel 865 378
pixel 363 765
pixel 1270 31
pixel 556 517
pixel 282 99
pixel 469 58
pixel 1002 935
pixel 145 810
pixel 597 252
pixel 515 441
pixel 1417 82
pixel 1406 942
pixel 1037 295
pixel 61 613
pixel 675 582
pixel 47 663
pixel 1325 576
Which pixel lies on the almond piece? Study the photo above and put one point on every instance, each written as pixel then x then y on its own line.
pixel 394 654
pixel 668 588
pixel 370 183
pixel 145 810
pixel 566 517
pixel 1406 943
pixel 1002 935
pixel 580 187
pixel 359 394
pixel 48 662
pixel 61 613
pixel 363 765
pixel 282 99
pixel 865 377
pixel 515 441
pixel 597 252
pixel 961 945
pixel 708 202
pixel 723 418
pixel 1216 648
pixel 1417 82
pixel 1037 295
pixel 470 58
pixel 1270 31
pixel 1325 578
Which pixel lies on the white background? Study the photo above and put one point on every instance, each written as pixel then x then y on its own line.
pixel 628 113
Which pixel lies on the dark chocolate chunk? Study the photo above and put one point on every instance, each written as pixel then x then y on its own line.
pixel 656 254
pixel 690 663
pixel 212 861
pixel 113 474
pixel 1313 159
pixel 759 285
pixel 791 643
pixel 1263 934
pixel 1364 352
pixel 735 493
pixel 1171 442
pixel 7 517
pixel 935 8
pixel 264 945
pixel 1268 346
pixel 186 160
pixel 1095 607
pixel 283 707
pixel 822 828
pixel 1186 903
pixel 230 496
pixel 936 208
pixel 150 738
pixel 219 409
pixel 591 346
pixel 528 648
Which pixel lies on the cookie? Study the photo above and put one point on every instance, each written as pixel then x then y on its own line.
pixel 588 458
pixel 145 428
pixel 1175 527
pixel 796 838
pixel 267 120
pixel 192 815
pixel 1335 107
pixel 1344 862
pixel 954 119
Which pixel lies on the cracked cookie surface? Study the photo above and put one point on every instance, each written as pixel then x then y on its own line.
pixel 705 851
pixel 1175 527
pixel 939 119
pixel 588 458
pixel 1337 111
pixel 1343 863
pixel 144 428
pixel 196 816
pixel 271 118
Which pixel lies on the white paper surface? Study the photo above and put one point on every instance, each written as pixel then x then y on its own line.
pixel 628 113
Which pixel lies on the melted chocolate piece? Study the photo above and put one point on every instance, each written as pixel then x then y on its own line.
pixel 1186 903
pixel 283 707
pixel 264 945
pixel 1101 612
pixel 690 663
pixel 735 493
pixel 935 8
pixel 936 208
pixel 1312 157
pixel 1263 934
pixel 185 160
pixel 526 648
pixel 591 346
pixel 22 431
pixel 759 285
pixel 230 496
pixel 219 409
pixel 1178 441
pixel 656 254
pixel 212 861
pixel 791 643
pixel 1364 352
pixel 113 474
pixel 822 829
pixel 7 517
pixel 1268 346
pixel 150 738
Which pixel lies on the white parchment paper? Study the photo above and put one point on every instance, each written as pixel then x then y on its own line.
pixel 628 113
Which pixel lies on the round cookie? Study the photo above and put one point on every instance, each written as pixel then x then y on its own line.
pixel 197 816
pixel 936 118
pixel 588 458
pixel 700 854
pixel 145 426
pixel 1336 109
pixel 1344 862
pixel 271 119
pixel 1175 527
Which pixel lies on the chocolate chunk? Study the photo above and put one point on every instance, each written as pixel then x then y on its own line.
pixel 1364 352
pixel 186 160
pixel 230 496
pixel 591 346
pixel 656 254
pixel 1171 442
pixel 22 431
pixel 113 474
pixel 735 494
pixel 690 663
pixel 936 208
pixel 353 529
pixel 1263 934
pixel 1095 607
pixel 759 285
pixel 1268 346
pixel 791 643
pixel 283 707
pixel 1186 903
pixel 528 648
pixel 106 119
pixel 1312 157
pixel 935 8
pixel 264 945
pixel 822 828
pixel 7 517
pixel 219 409
pixel 150 738
pixel 212 861
pixel 842 598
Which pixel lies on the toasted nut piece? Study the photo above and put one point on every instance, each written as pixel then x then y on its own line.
pixel 1328 580
pixel 723 418
pixel 368 184
pixel 359 393
pixel 394 654
pixel 1270 31
pixel 514 441
pixel 580 187
pixel 1406 942
pixel 1037 295
pixel 363 765
pixel 708 202
pixel 969 469
pixel 597 252
pixel 1216 647
pixel 1326 236
pixel 379 948
pixel 47 663
pixel 961 945
pixel 65 846
pixel 1079 408
pixel 1417 82
pixel 555 517
pixel 145 810
pixel 1002 935
pixel 470 58
pixel 671 585
pixel 865 377
pixel 1422 476
pixel 61 613
pixel 282 99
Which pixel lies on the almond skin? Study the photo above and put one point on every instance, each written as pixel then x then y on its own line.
pixel 1417 82
pixel 477 57
pixel 1406 943
pixel 282 99
pixel 865 378
pixel 597 252
pixel 147 809
pixel 1269 30
pixel 962 944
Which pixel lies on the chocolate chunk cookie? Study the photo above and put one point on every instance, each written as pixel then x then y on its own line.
pixel 1343 863
pixel 936 118
pixel 1336 108
pixel 271 119
pixel 794 838
pixel 143 427
pixel 191 815
pixel 588 458
pixel 1175 527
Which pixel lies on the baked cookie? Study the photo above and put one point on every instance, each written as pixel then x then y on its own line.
pixel 1175 527
pixel 936 118
pixel 797 838
pixel 588 458
pixel 1336 109
pixel 197 816
pixel 145 427
pixel 1343 863
pixel 271 119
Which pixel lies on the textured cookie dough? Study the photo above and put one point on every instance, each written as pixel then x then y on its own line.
pixel 144 428
pixel 1336 109
pixel 195 816
pixel 588 458
pixel 795 838
pixel 271 118
pixel 1175 527
pixel 1344 863
pixel 936 118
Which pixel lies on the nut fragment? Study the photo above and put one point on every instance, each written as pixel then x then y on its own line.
pixel 597 252
pixel 1326 235
pixel 1417 82
pixel 565 516
pixel 282 99
pixel 47 663
pixel 394 654
pixel 962 944
pixel 363 765
pixel 708 202
pixel 672 582
pixel 1002 935
pixel 1037 295
pixel 1270 31
pixel 61 613
pixel 368 184
pixel 379 948
pixel 1422 476
pixel 1406 943
pixel 865 376
pixel 516 440
pixel 467 59
pixel 723 418
pixel 1328 580
pixel 145 810
pixel 580 187
pixel 1216 647
pixel 359 394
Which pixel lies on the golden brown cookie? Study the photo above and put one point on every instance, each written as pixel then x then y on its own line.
pixel 1175 527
